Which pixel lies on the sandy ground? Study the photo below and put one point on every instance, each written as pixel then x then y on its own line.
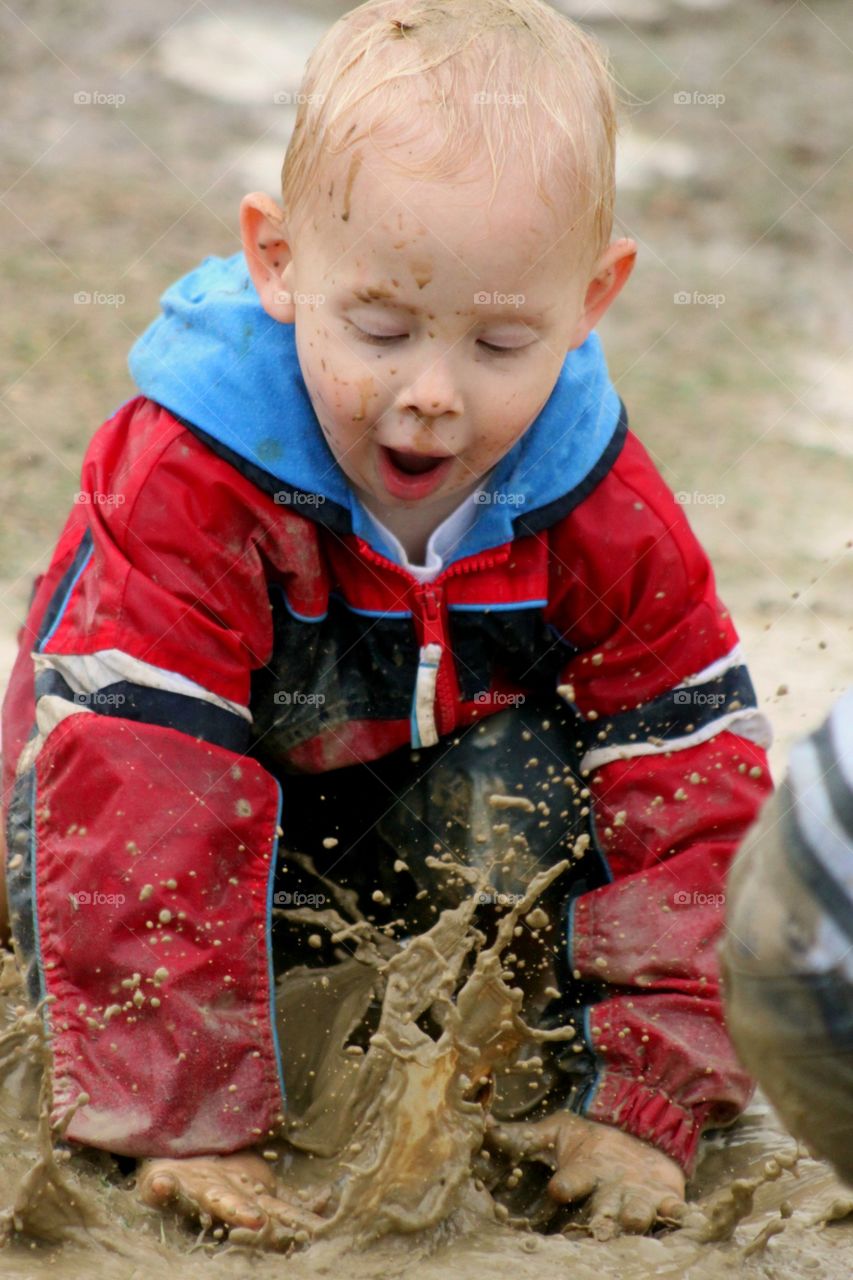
pixel 131 134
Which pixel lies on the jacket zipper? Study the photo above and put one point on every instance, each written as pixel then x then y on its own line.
pixel 435 692
pixel 434 634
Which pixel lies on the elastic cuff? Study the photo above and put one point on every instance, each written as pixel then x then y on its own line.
pixel 647 1114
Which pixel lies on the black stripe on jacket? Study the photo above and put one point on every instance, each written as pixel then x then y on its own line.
pixel 128 701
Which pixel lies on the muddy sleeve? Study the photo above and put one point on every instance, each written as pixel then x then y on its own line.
pixel 674 759
pixel 142 839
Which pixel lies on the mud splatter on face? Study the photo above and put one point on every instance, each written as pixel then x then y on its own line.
pixel 373 294
pixel 355 165
pixel 421 269
pixel 366 391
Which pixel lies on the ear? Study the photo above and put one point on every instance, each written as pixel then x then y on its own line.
pixel 611 274
pixel 267 252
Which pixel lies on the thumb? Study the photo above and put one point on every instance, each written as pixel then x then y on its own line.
pixel 573 1182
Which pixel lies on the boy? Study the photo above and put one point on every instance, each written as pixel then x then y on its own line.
pixel 377 488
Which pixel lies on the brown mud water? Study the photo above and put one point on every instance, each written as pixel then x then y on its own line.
pixel 391 1126
pixel 404 1120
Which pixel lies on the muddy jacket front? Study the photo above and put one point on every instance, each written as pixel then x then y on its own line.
pixel 219 609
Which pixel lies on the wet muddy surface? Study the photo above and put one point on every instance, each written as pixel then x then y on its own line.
pixel 390 1127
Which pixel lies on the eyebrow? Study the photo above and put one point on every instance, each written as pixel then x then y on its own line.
pixel 370 295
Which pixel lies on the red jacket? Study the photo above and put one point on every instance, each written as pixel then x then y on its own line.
pixel 191 625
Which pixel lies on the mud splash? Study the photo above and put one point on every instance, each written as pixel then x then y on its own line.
pixel 405 1123
pixel 390 1124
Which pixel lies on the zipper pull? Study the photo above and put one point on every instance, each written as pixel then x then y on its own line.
pixel 431 614
pixel 424 729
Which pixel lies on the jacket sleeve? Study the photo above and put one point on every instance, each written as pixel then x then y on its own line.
pixel 142 838
pixel 673 756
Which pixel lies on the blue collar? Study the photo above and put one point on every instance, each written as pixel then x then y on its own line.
pixel 216 359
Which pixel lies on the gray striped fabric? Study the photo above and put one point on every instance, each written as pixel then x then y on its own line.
pixel 787 953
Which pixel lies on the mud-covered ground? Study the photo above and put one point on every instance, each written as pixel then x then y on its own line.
pixel 130 133
pixel 758 1205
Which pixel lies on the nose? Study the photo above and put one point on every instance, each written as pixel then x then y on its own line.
pixel 432 393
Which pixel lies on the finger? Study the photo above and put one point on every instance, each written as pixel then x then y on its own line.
pixel 271 1236
pixel 573 1182
pixel 637 1212
pixel 290 1215
pixel 672 1208
pixel 230 1208
pixel 205 1202
pixel 605 1209
pixel 158 1189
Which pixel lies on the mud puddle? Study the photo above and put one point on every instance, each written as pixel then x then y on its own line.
pixel 391 1124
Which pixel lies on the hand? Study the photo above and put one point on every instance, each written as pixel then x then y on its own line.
pixel 238 1190
pixel 629 1183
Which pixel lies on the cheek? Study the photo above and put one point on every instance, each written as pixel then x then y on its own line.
pixel 513 403
pixel 344 406
pixel 507 422
pixel 484 453
pixel 325 372
pixel 349 391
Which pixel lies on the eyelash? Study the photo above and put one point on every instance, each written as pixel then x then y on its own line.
pixel 381 341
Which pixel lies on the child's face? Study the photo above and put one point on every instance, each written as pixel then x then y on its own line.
pixel 430 329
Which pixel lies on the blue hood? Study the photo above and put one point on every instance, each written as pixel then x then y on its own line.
pixel 217 360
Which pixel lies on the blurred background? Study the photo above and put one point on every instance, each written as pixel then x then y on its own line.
pixel 130 133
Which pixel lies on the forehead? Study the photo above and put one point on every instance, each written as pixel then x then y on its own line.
pixel 370 216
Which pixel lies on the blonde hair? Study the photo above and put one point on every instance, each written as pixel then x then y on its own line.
pixel 501 76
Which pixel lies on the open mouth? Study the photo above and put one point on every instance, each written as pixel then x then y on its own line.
pixel 411 475
pixel 413 464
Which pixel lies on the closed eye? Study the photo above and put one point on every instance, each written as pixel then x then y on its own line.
pixel 501 351
pixel 381 340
